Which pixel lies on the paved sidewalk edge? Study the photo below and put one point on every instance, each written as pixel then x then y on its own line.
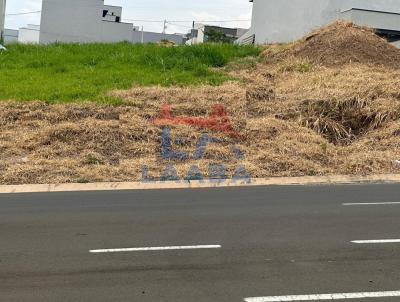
pixel 112 186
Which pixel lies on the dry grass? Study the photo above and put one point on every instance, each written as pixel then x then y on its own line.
pixel 297 118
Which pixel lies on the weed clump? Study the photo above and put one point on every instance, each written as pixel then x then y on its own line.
pixel 343 121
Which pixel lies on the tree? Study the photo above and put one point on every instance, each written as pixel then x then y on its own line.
pixel 217 36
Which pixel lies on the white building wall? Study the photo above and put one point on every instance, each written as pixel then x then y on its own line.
pixel 152 37
pixel 115 32
pixel 200 35
pixel 28 35
pixel 373 19
pixel 200 28
pixel 33 26
pixel 71 21
pixel 247 37
pixel 287 20
pixel 82 21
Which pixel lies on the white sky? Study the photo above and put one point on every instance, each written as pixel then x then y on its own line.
pixel 208 10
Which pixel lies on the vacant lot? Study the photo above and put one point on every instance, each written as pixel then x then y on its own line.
pixel 310 108
pixel 72 72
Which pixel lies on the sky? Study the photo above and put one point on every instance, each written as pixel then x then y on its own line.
pixel 152 10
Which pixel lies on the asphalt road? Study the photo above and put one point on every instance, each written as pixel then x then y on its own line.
pixel 267 241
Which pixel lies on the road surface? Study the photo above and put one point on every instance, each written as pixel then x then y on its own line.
pixel 204 245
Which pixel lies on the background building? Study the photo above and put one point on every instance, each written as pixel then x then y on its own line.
pixel 202 33
pixel 139 36
pixel 29 34
pixel 86 21
pixel 288 20
pixel 89 21
pixel 82 21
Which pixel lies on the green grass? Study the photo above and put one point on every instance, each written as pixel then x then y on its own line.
pixel 73 72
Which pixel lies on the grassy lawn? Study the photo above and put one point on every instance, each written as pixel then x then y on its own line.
pixel 72 72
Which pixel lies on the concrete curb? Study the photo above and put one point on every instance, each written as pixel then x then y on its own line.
pixel 113 186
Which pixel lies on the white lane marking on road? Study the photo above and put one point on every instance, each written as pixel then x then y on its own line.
pixel 371 203
pixel 160 248
pixel 377 241
pixel 322 297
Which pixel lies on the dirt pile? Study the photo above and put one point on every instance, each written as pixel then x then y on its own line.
pixel 341 43
pixel 342 81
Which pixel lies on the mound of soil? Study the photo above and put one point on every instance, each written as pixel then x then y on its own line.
pixel 342 43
